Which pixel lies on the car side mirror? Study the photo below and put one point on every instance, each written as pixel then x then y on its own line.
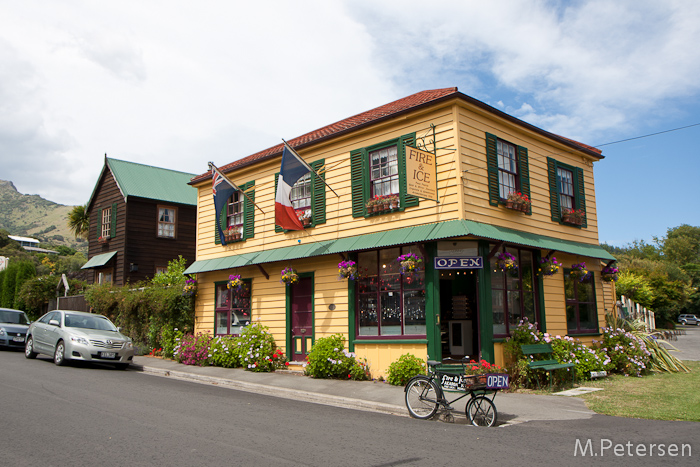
pixel 54 322
pixel 119 329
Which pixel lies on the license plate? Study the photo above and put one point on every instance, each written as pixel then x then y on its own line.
pixel 18 339
pixel 108 354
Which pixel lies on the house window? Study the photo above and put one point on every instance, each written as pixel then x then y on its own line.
pixel 581 310
pixel 104 276
pixel 106 224
pixel 565 180
pixel 507 169
pixel 380 170
pixel 513 293
pixel 384 171
pixel 232 308
pixel 301 196
pixel 161 269
pixel 389 304
pixel 235 212
pixel 166 222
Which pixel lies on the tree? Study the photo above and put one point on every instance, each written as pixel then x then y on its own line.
pixel 79 221
pixel 682 245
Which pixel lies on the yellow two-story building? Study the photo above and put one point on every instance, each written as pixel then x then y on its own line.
pixel 481 197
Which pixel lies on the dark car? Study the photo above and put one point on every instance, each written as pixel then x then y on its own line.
pixel 13 328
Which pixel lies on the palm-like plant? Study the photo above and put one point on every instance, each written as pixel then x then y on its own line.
pixel 79 221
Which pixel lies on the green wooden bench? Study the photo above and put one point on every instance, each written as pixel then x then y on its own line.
pixel 547 365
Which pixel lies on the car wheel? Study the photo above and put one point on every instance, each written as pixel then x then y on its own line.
pixel 59 356
pixel 683 323
pixel 29 348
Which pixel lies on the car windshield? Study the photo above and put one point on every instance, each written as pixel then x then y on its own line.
pixel 89 322
pixel 12 317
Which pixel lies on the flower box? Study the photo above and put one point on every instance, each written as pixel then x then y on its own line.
pixel 103 239
pixel 232 235
pixel 518 202
pixel 573 216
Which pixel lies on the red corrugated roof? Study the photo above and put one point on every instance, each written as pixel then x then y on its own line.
pixel 391 109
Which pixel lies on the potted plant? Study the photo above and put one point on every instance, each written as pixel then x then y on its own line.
pixel 347 270
pixel 573 216
pixel 190 289
pixel 235 282
pixel 371 204
pixel 548 266
pixel 477 373
pixel 304 217
pixel 231 234
pixel 609 273
pixel 410 263
pixel 506 262
pixel 289 276
pixel 392 201
pixel 103 238
pixel 579 271
pixel 518 201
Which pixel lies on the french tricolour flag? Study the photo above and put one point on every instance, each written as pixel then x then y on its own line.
pixel 293 168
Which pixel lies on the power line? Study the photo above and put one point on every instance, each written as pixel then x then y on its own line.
pixel 646 136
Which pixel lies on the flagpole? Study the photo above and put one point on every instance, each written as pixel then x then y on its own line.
pixel 212 166
pixel 308 166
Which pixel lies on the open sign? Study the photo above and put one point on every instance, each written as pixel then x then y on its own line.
pixel 497 381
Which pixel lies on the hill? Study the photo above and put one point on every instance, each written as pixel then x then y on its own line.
pixel 36 217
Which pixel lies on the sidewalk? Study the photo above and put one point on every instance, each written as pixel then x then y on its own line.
pixel 360 395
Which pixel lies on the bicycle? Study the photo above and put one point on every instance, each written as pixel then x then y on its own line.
pixel 426 394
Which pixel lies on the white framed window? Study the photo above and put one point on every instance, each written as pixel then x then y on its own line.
pixel 106 224
pixel 166 221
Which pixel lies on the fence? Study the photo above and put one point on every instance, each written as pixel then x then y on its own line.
pixel 628 309
pixel 71 302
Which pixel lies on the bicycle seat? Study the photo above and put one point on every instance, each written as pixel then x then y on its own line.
pixel 433 363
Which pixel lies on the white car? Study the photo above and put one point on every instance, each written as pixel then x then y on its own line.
pixel 75 335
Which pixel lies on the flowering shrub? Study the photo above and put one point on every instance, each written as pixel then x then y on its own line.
pixel 405 368
pixel 628 353
pixel 170 338
pixel 482 368
pixel 410 263
pixel 234 282
pixel 224 352
pixel 193 350
pixel 569 350
pixel 190 288
pixel 289 276
pixel 609 273
pixel 347 270
pixel 506 262
pixel 258 350
pixel 548 266
pixel 329 359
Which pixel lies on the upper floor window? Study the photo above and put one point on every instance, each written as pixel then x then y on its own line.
pixel 566 193
pixel 508 169
pixel 106 223
pixel 301 196
pixel 380 171
pixel 234 212
pixel 166 222
pixel 237 217
pixel 308 197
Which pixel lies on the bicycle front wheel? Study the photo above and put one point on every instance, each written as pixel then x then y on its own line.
pixel 481 411
pixel 422 398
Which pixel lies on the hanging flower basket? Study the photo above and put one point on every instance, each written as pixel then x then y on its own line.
pixel 347 270
pixel 548 266
pixel 579 271
pixel 289 276
pixel 410 263
pixel 190 289
pixel 506 262
pixel 235 282
pixel 609 273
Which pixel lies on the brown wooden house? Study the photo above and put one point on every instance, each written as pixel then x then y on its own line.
pixel 141 217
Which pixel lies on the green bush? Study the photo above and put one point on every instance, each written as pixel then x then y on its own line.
pixel 627 352
pixel 405 368
pixel 193 350
pixel 258 350
pixel 329 359
pixel 225 352
pixel 585 359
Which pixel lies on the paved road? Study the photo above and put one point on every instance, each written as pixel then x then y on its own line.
pixel 91 415
pixel 687 346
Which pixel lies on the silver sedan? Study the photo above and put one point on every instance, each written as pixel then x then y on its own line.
pixel 75 335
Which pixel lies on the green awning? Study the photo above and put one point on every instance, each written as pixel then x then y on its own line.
pixel 99 260
pixel 406 235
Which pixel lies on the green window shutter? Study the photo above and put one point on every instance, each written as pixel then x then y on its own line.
pixel 406 200
pixel 99 223
pixel 492 164
pixel 318 194
pixel 278 229
pixel 113 228
pixel 359 176
pixel 248 211
pixel 581 195
pixel 524 173
pixel 553 189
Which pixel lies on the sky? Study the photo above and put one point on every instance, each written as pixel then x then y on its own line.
pixel 176 84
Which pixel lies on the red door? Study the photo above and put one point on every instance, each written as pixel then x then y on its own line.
pixel 302 331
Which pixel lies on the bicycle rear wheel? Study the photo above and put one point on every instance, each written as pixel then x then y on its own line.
pixel 422 398
pixel 481 411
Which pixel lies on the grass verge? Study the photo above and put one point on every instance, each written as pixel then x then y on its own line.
pixel 665 396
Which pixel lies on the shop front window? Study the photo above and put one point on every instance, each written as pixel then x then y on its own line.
pixel 581 310
pixel 389 303
pixel 513 293
pixel 232 309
